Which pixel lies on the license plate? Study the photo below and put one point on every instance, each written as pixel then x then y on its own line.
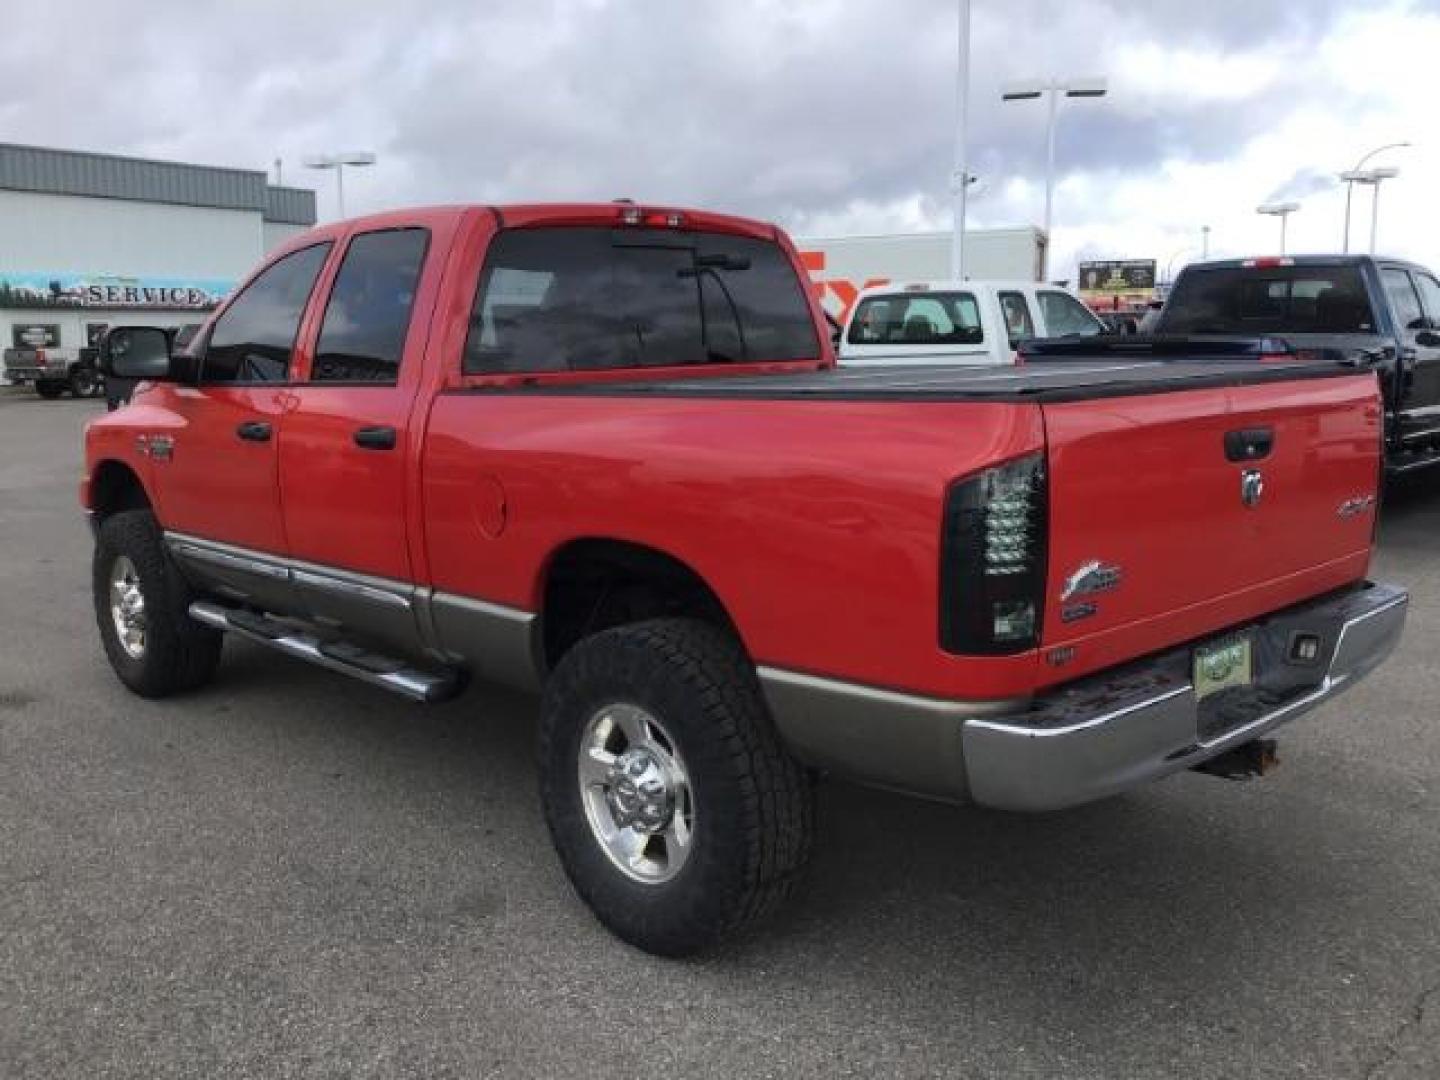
pixel 1223 666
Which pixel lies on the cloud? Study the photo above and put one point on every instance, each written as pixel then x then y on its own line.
pixel 832 115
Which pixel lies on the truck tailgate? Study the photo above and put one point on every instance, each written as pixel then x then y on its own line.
pixel 1177 515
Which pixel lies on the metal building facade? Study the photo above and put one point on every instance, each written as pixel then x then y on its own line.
pixel 91 240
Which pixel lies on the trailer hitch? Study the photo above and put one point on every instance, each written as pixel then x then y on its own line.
pixel 1254 758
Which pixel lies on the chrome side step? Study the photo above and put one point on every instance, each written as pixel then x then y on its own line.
pixel 398 676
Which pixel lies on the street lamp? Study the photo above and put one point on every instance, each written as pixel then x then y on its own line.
pixel 1028 91
pixel 1372 177
pixel 960 179
pixel 1282 210
pixel 1350 181
pixel 338 163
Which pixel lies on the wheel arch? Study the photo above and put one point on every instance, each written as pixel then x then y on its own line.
pixel 594 583
pixel 115 486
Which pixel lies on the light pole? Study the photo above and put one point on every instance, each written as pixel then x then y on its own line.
pixel 1352 177
pixel 1204 241
pixel 338 163
pixel 960 178
pixel 1028 91
pixel 1372 177
pixel 1282 210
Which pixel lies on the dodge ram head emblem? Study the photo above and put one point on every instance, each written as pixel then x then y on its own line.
pixel 1091 577
pixel 1252 486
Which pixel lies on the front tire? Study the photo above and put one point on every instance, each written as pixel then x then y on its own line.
pixel 676 811
pixel 85 382
pixel 141 607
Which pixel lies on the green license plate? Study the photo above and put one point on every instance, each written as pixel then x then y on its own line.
pixel 1220 667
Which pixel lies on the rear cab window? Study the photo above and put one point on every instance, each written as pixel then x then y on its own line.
pixel 598 298
pixel 930 318
pixel 1274 300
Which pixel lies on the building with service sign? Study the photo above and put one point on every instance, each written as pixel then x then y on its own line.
pixel 89 241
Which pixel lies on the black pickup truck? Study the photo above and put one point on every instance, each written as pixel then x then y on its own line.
pixel 1352 309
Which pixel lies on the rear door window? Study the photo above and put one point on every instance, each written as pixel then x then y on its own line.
pixel 1065 316
pixel 582 299
pixel 1404 301
pixel 1019 325
pixel 931 318
pixel 368 314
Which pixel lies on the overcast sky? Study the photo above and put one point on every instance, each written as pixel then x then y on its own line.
pixel 830 116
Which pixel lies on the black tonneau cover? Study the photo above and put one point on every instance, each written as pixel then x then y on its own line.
pixel 1062 381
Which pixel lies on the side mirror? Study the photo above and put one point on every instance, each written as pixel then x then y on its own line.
pixel 1427 339
pixel 136 352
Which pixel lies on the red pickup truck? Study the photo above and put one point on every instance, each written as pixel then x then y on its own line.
pixel 603 451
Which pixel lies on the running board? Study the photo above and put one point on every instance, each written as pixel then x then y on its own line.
pixel 359 663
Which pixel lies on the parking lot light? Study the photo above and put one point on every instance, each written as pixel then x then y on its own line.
pixel 1354 176
pixel 1087 87
pixel 338 163
pixel 1282 210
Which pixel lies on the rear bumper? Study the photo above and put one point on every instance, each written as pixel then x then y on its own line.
pixel 1097 737
pixel 29 373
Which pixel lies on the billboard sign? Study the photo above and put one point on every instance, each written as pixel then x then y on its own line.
pixel 1129 278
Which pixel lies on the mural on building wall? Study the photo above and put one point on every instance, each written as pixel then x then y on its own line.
pixel 69 290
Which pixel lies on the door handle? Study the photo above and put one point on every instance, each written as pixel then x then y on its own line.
pixel 1249 444
pixel 254 431
pixel 375 438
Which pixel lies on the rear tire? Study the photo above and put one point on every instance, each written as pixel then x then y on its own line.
pixel 741 809
pixel 50 389
pixel 142 608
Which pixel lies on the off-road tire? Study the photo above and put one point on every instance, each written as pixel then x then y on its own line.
pixel 50 389
pixel 179 653
pixel 754 804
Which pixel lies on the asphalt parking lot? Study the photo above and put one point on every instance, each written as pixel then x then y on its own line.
pixel 291 874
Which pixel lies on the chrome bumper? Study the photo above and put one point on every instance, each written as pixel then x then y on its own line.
pixel 1097 737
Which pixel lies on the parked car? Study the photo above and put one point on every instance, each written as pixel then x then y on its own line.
pixel 969 322
pixel 603 451
pixel 1357 308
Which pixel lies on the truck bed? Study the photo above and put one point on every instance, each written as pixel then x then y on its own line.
pixel 1042 382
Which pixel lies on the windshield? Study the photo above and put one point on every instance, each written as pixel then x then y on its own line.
pixel 917 319
pixel 1273 300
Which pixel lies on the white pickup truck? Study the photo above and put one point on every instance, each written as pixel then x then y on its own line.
pixel 958 322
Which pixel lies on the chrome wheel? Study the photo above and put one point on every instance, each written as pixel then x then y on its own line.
pixel 127 607
pixel 636 793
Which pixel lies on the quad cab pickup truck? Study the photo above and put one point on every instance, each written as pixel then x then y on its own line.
pixel 958 322
pixel 1356 308
pixel 604 452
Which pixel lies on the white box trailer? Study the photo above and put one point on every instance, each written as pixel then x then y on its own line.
pixel 843 265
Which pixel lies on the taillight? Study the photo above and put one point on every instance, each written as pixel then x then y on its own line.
pixel 993 550
pixel 39 357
